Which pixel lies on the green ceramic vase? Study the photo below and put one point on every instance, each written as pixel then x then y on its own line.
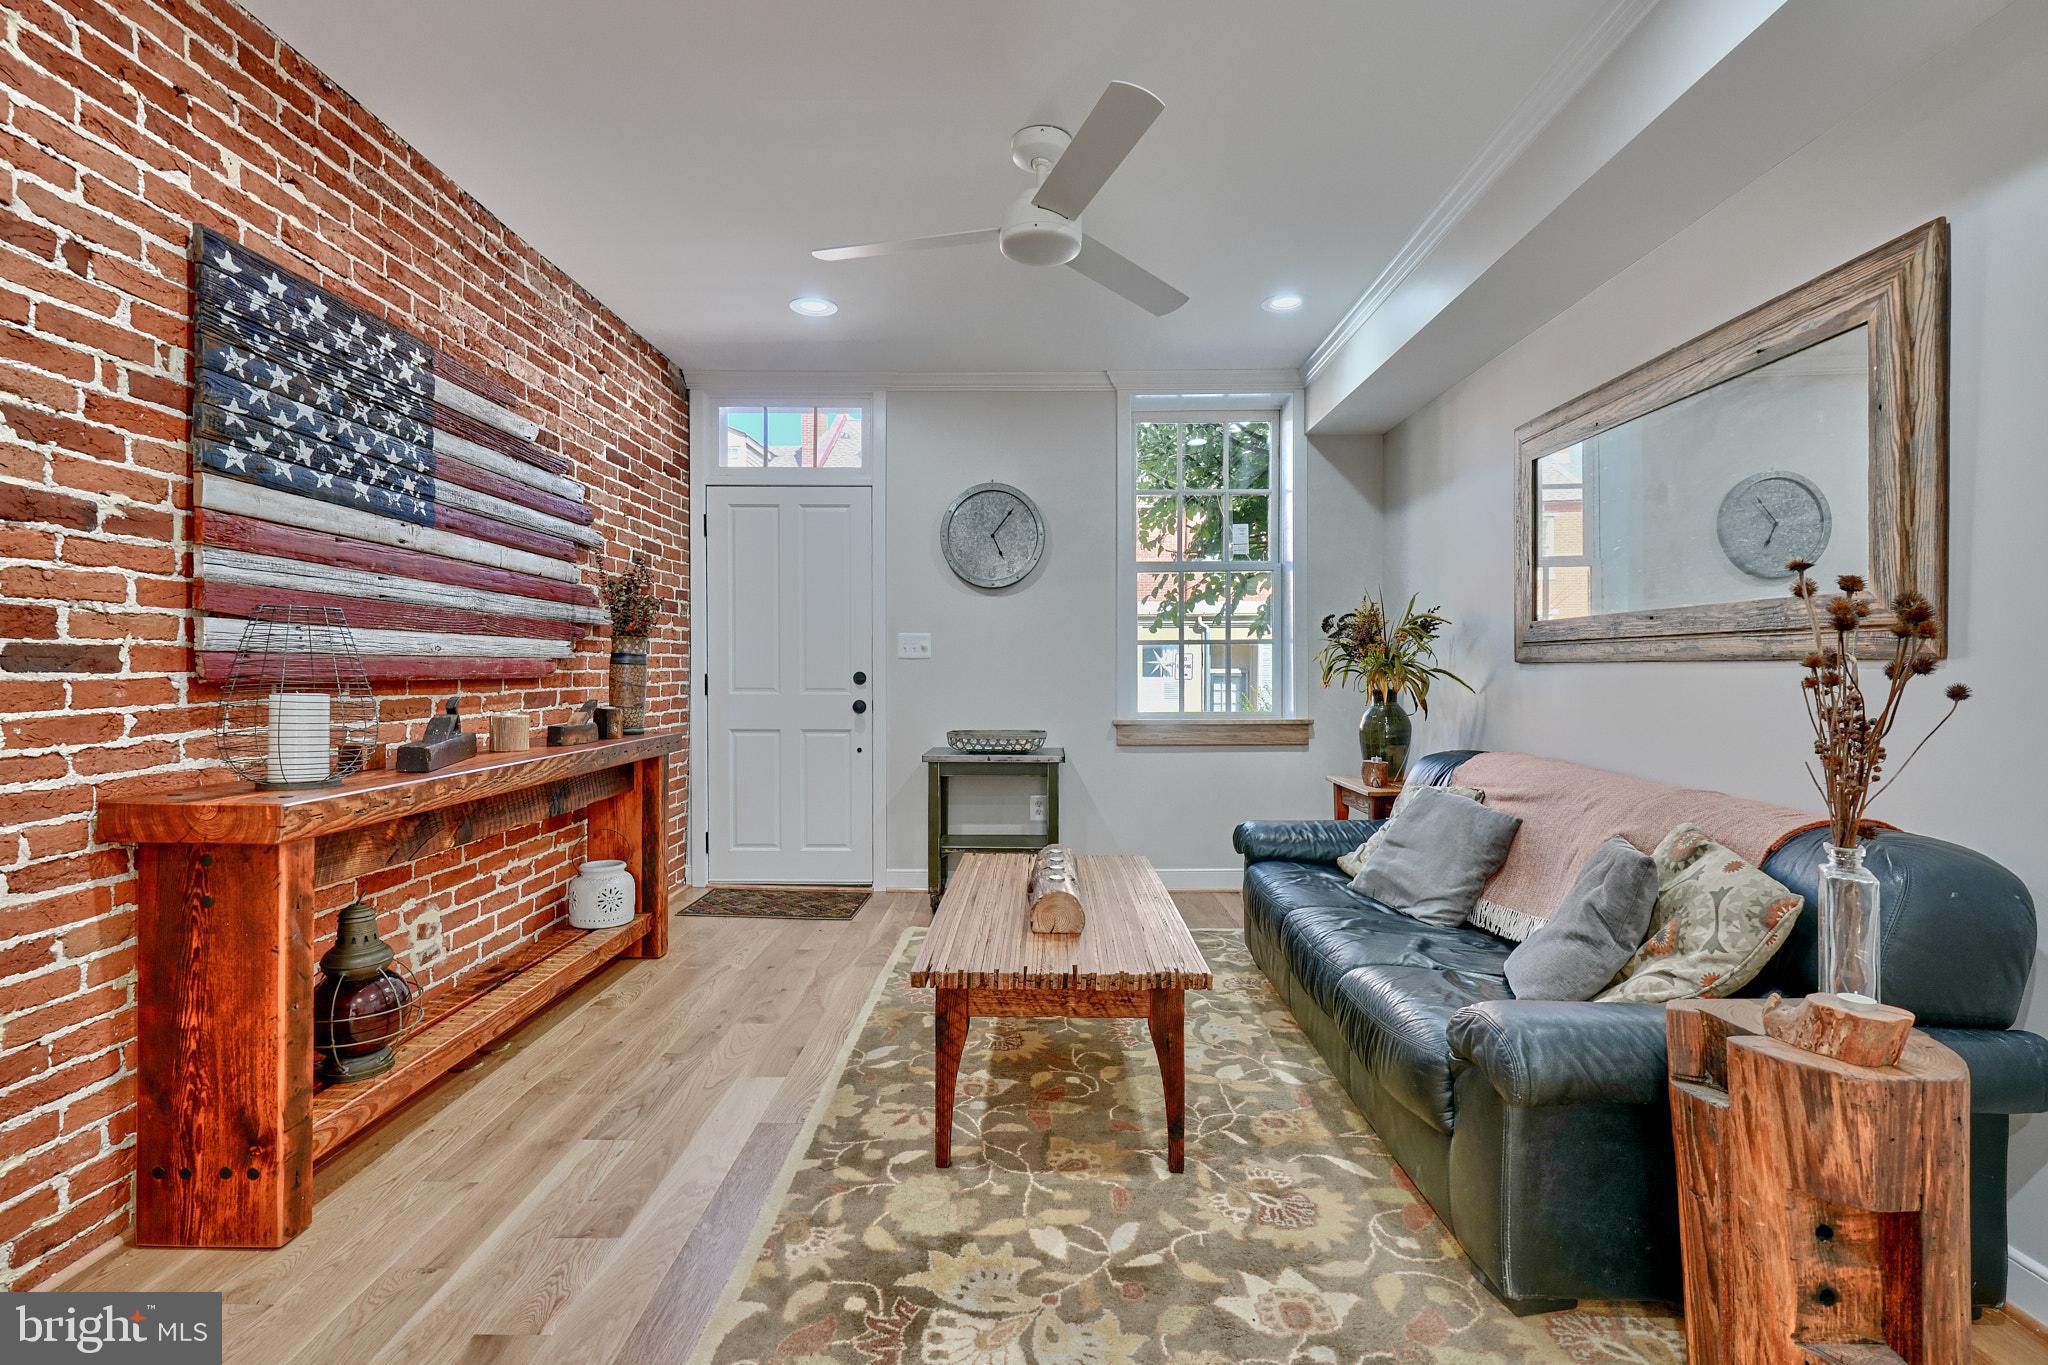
pixel 1383 732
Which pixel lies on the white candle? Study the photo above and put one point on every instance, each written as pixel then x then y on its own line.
pixel 299 724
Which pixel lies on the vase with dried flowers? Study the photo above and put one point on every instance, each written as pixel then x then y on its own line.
pixel 634 605
pixel 1849 744
pixel 1390 660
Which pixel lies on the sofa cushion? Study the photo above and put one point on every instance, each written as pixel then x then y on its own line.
pixel 1352 863
pixel 1717 921
pixel 1598 927
pixel 1435 855
pixel 1397 1020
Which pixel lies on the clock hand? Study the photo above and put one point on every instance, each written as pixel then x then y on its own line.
pixel 1766 510
pixel 1004 522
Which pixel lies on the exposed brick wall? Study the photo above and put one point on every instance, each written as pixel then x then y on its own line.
pixel 126 121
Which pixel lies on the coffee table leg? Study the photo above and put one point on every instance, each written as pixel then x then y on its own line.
pixel 1168 1019
pixel 949 1020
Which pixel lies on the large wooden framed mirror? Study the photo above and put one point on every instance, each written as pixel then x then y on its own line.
pixel 1654 516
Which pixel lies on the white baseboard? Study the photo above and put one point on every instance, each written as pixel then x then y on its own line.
pixel 2026 1284
pixel 1176 878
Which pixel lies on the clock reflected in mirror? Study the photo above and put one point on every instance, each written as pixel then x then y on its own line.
pixel 1771 518
pixel 992 536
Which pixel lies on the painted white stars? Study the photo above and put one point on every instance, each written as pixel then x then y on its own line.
pixel 226 263
pixel 275 286
pixel 236 362
pixel 318 308
pixel 234 461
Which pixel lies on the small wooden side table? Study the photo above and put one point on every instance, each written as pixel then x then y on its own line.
pixel 1349 796
pixel 1823 1207
pixel 942 764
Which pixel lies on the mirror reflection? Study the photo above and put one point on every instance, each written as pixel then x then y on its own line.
pixel 1704 500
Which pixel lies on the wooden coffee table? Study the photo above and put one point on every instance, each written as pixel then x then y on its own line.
pixel 1136 959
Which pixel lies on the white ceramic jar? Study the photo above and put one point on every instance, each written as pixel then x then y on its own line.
pixel 601 895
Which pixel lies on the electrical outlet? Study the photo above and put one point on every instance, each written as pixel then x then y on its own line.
pixel 914 646
pixel 1038 808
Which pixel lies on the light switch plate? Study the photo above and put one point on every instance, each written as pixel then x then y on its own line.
pixel 914 646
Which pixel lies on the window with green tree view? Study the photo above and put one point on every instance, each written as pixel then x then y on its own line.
pixel 1209 573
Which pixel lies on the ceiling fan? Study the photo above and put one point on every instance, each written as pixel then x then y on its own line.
pixel 1043 225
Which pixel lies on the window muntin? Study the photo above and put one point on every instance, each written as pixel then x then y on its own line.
pixel 1207 585
pixel 792 436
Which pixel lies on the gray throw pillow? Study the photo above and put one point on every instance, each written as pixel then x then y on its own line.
pixel 1599 925
pixel 1436 856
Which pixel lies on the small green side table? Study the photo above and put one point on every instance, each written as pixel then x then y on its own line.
pixel 943 763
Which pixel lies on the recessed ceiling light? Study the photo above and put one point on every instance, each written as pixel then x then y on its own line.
pixel 1284 302
pixel 811 306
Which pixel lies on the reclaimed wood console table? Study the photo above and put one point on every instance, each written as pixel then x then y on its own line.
pixel 229 1120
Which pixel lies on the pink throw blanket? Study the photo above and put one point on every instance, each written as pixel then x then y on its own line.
pixel 1568 811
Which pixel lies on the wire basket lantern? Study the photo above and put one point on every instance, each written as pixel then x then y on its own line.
pixel 296 709
pixel 364 1004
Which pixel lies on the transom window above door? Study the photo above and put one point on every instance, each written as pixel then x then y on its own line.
pixel 792 436
pixel 1209 576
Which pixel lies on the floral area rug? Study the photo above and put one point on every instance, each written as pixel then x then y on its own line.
pixel 1059 1238
pixel 779 902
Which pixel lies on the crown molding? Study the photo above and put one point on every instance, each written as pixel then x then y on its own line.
pixel 1566 77
pixel 868 381
pixel 806 382
pixel 1206 383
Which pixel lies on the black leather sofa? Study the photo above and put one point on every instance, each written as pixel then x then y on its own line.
pixel 1539 1131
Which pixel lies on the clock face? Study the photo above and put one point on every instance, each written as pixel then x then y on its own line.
pixel 1773 517
pixel 992 535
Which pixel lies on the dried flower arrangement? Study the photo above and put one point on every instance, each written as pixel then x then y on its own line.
pixel 1847 738
pixel 1391 659
pixel 631 599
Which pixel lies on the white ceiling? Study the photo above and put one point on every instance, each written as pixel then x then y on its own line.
pixel 681 160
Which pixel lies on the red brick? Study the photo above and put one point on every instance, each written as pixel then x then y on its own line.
pixel 90 553
pixel 19 503
pixel 50 732
pixel 136 417
pixel 63 585
pixel 22 622
pixel 97 476
pixel 131 693
pixel 126 758
pixel 44 354
pixel 100 229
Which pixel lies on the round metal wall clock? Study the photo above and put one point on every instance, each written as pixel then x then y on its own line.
pixel 1773 517
pixel 992 535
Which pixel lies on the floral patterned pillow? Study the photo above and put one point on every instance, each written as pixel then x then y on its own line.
pixel 1716 922
pixel 1351 863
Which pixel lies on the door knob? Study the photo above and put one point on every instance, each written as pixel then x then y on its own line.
pixel 860 680
pixel 860 708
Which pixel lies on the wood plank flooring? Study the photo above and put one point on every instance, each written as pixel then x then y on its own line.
pixel 580 1194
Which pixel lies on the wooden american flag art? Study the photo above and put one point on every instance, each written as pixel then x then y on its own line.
pixel 339 461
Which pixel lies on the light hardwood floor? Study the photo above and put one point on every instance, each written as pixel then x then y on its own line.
pixel 582 1193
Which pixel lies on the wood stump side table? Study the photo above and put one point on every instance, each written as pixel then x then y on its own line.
pixel 1823 1207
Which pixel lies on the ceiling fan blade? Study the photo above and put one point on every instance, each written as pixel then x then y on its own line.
pixel 1122 276
pixel 854 253
pixel 1112 128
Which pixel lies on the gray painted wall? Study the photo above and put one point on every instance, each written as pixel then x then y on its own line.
pixel 1965 137
pixel 1043 654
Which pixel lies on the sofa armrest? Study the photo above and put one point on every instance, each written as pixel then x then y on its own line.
pixel 1301 841
pixel 2008 1068
pixel 1542 1052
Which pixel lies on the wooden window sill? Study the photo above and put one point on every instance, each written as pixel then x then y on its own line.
pixel 1221 732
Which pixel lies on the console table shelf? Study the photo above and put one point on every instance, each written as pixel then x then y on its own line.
pixel 228 1119
pixel 467 1016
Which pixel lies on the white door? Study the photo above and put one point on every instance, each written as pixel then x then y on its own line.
pixel 790 678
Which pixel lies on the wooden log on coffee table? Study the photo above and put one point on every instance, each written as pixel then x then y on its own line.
pixel 1134 959
pixel 1823 1206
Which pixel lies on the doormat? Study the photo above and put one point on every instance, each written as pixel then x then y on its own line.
pixel 780 902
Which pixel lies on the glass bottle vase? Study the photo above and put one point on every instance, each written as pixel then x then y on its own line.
pixel 1849 942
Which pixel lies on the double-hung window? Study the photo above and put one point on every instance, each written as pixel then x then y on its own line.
pixel 1207 564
